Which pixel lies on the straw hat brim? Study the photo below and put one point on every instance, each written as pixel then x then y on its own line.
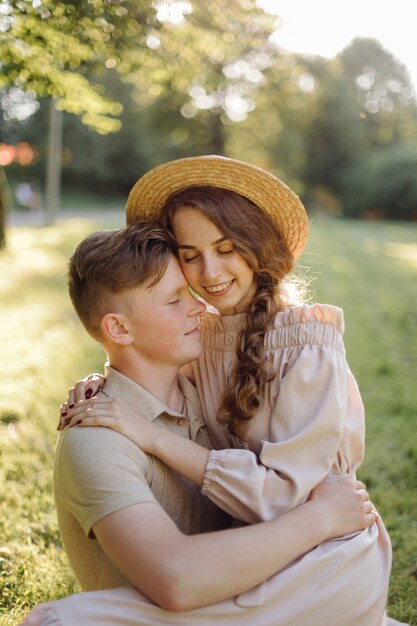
pixel 152 190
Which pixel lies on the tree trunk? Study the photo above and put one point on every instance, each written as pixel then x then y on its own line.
pixel 54 165
pixel 4 205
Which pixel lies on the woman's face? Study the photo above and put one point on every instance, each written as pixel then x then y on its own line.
pixel 210 262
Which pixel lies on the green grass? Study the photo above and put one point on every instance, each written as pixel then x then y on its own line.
pixel 44 348
pixel 370 269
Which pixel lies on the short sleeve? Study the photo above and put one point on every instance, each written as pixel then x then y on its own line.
pixel 89 484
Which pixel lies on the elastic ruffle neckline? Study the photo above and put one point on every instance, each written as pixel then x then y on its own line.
pixel 317 324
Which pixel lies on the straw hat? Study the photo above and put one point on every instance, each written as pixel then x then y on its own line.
pixel 152 190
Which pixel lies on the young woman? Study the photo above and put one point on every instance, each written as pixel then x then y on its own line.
pixel 280 403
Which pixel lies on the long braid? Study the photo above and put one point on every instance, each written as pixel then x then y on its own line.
pixel 253 370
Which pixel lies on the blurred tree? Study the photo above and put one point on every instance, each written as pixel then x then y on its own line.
pixel 202 65
pixel 334 135
pixel 317 121
pixel 206 72
pixel 380 84
pixel 382 184
pixel 48 47
pixel 109 163
pixel 53 48
pixel 364 101
pixel 274 135
pixel 183 80
pixel 380 180
pixel 189 74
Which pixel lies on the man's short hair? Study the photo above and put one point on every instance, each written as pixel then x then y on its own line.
pixel 108 262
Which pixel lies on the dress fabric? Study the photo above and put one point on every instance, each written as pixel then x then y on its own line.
pixel 307 593
pixel 309 427
pixel 119 607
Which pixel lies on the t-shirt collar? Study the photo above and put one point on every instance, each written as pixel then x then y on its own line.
pixel 119 385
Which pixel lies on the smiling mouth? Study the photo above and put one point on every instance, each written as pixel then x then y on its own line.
pixel 219 289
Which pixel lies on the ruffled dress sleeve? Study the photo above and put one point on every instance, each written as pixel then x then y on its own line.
pixel 316 422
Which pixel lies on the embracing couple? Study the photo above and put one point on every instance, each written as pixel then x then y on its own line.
pixel 211 477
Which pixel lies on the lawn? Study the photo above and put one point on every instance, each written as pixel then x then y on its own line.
pixel 370 269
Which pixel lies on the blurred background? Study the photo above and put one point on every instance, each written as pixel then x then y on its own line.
pixel 92 94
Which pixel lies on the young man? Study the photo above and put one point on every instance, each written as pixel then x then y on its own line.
pixel 131 526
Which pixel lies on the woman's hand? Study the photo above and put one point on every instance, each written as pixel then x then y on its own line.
pixel 83 389
pixel 118 415
pixel 344 507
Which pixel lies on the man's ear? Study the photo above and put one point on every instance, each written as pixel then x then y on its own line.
pixel 114 329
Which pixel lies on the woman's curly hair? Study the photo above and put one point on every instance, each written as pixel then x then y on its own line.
pixel 257 239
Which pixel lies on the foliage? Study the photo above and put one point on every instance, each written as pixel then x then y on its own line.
pixel 186 81
pixel 275 135
pixel 316 120
pixel 377 80
pixel 365 101
pixel 333 135
pixel 382 184
pixel 48 46
pixel 369 269
pixel 202 67
pixel 159 48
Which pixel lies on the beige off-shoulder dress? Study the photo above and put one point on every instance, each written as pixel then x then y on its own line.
pixel 309 428
pixel 310 425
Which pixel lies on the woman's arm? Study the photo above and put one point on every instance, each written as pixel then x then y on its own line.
pixel 310 424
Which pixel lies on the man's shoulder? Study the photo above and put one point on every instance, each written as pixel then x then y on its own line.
pixel 97 472
pixel 92 449
pixel 85 436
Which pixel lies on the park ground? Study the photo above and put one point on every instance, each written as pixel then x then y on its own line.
pixel 368 268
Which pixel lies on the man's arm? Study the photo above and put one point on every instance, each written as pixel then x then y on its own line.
pixel 180 572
